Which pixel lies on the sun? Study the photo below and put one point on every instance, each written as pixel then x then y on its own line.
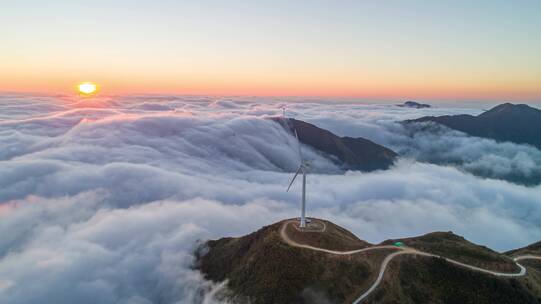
pixel 87 88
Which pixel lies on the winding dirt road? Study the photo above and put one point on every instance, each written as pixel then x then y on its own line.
pixel 400 251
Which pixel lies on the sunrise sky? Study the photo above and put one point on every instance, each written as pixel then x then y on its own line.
pixel 463 50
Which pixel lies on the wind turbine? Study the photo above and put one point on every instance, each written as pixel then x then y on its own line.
pixel 302 169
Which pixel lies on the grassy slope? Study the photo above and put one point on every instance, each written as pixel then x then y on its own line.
pixel 261 268
pixel 266 270
pixel 533 280
pixel 456 247
pixel 430 280
pixel 533 249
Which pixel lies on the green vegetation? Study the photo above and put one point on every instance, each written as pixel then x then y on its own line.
pixel 260 268
pixel 452 246
pixel 533 249
pixel 433 280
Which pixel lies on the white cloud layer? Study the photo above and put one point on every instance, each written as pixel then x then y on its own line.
pixel 104 201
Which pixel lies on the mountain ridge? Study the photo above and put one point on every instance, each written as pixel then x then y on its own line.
pixel 518 123
pixel 349 152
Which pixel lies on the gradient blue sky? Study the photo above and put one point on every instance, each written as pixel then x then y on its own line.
pixel 383 49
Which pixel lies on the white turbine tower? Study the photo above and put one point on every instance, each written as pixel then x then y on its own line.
pixel 302 169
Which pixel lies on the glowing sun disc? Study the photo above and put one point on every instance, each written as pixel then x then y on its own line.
pixel 87 88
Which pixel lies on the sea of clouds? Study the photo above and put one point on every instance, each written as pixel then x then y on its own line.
pixel 104 200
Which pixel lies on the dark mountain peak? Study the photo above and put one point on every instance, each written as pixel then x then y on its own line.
pixel 509 105
pixel 351 153
pixel 414 104
pixel 503 106
pixel 518 123
pixel 509 109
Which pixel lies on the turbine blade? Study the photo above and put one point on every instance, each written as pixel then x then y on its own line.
pixel 293 179
pixel 299 146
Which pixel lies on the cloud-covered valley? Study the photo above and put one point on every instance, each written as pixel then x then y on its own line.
pixel 104 201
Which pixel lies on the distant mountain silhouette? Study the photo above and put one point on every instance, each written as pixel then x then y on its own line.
pixel 351 153
pixel 414 104
pixel 518 123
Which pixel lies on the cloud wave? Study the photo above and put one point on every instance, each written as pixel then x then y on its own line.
pixel 105 201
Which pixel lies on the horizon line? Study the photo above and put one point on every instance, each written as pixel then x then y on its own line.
pixel 306 96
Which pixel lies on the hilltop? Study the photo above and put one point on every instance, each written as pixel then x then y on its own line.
pixel 328 264
pixel 534 249
pixel 518 123
pixel 261 268
pixel 456 247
